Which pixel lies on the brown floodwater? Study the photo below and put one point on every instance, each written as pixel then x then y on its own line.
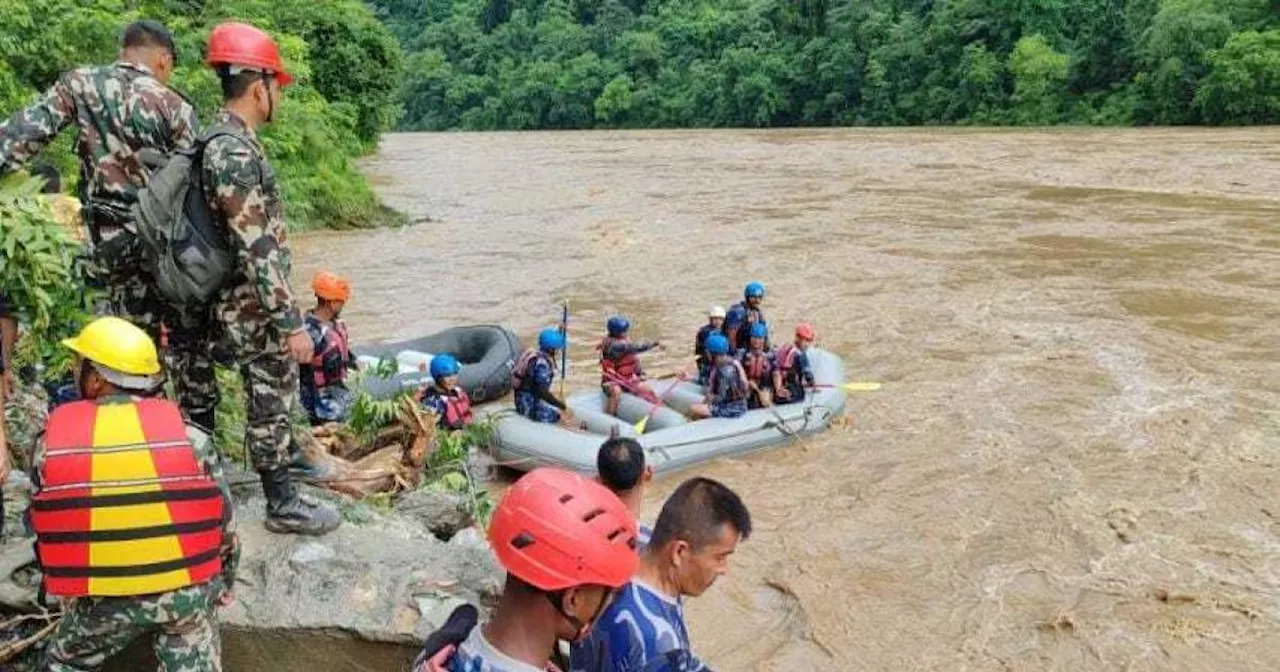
pixel 1073 462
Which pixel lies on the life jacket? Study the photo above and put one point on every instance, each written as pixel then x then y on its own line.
pixel 756 365
pixel 124 506
pixel 786 360
pixel 520 374
pixel 744 330
pixel 626 367
pixel 329 365
pixel 457 406
pixel 736 392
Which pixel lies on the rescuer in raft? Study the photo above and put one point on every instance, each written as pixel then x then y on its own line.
pixel 737 324
pixel 449 402
pixel 726 387
pixel 567 545
pixel 793 373
pixel 532 377
pixel 758 365
pixel 714 325
pixel 620 364
pixel 322 382
pixel 131 514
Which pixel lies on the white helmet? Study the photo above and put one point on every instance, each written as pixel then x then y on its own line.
pixel 716 311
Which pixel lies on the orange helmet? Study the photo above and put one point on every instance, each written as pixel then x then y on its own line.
pixel 241 44
pixel 555 530
pixel 805 330
pixel 331 286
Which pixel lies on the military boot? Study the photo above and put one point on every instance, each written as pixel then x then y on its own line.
pixel 289 514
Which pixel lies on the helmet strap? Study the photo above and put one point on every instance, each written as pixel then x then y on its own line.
pixel 582 627
pixel 271 103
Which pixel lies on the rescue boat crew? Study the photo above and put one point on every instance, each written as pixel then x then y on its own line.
pixel 737 324
pixel 450 402
pixel 620 364
pixel 758 364
pixel 322 382
pixel 532 377
pixel 726 387
pixel 714 325
pixel 131 514
pixel 794 373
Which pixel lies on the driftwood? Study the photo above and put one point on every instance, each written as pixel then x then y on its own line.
pixel 391 462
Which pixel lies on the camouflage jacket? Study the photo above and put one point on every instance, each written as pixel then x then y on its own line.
pixel 119 110
pixel 241 190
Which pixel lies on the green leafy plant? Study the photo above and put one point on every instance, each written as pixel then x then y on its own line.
pixel 38 271
pixel 448 468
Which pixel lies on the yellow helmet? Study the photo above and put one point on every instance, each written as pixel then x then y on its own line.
pixel 122 353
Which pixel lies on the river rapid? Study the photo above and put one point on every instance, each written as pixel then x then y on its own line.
pixel 1072 464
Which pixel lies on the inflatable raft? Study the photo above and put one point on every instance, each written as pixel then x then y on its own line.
pixel 487 353
pixel 671 441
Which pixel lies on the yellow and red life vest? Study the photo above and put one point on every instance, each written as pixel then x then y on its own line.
pixel 124 506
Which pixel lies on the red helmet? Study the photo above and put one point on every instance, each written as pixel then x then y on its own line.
pixel 331 286
pixel 555 530
pixel 805 330
pixel 233 43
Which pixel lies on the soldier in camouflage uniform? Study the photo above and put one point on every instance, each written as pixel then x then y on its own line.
pixel 122 112
pixel 181 622
pixel 257 310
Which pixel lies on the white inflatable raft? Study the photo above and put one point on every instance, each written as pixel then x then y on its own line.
pixel 671 441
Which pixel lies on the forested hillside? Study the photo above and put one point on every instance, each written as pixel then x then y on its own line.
pixel 522 64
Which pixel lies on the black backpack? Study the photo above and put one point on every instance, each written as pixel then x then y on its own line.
pixel 184 245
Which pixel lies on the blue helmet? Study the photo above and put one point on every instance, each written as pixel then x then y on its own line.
pixel 759 330
pixel 755 289
pixel 551 339
pixel 717 344
pixel 618 325
pixel 443 366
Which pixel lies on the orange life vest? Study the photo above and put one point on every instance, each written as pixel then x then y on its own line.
pixel 626 367
pixel 519 375
pixel 756 366
pixel 124 506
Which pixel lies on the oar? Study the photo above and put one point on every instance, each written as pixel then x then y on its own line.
pixel 564 352
pixel 852 387
pixel 639 426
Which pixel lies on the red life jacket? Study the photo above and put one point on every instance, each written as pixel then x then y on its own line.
pixel 124 507
pixel 756 365
pixel 626 367
pixel 738 392
pixel 786 357
pixel 335 351
pixel 457 406
pixel 521 370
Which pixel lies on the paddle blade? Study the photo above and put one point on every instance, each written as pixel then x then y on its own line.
pixel 639 426
pixel 861 387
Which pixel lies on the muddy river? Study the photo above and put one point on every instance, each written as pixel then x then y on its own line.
pixel 1074 462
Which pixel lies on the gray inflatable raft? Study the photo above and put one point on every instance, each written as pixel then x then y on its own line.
pixel 671 441
pixel 487 354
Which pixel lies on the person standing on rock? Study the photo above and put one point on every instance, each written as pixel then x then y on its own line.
pixel 698 529
pixel 257 310
pixel 567 544
pixel 131 513
pixel 120 112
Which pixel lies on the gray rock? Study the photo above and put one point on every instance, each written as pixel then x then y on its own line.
pixel 443 513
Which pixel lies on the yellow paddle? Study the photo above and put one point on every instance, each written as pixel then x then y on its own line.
pixel 639 426
pixel 853 387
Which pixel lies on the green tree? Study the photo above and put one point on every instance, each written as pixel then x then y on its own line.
pixel 1244 85
pixel 1039 75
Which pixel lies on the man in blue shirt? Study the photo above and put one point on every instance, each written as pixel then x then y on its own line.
pixel 643 630
pixel 621 468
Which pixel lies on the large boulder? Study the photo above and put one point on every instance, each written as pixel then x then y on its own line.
pixel 361 598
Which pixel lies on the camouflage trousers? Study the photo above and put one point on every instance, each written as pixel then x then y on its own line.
pixel 132 295
pixel 181 624
pixel 270 378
